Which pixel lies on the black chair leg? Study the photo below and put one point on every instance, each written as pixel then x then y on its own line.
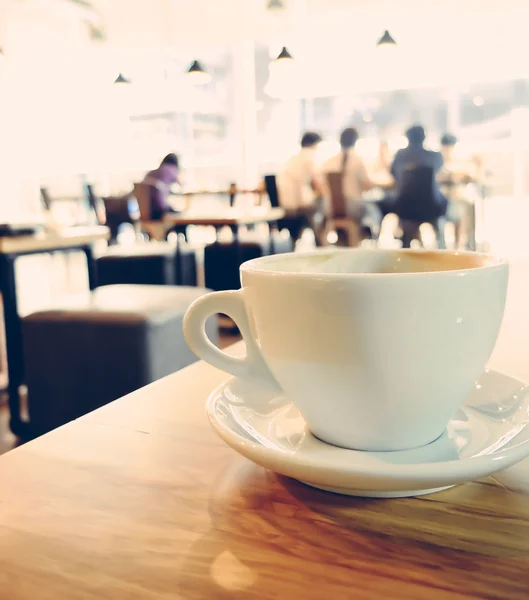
pixel 410 231
pixel 439 230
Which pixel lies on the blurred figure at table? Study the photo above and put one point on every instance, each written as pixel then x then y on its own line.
pixel 408 161
pixel 160 181
pixel 300 190
pixel 454 178
pixel 355 181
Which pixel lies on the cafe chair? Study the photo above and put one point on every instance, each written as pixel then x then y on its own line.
pixel 292 221
pixel 158 263
pixel 156 230
pixel 223 259
pixel 339 220
pixel 417 204
pixel 120 210
pixel 97 206
pixel 45 198
pixel 77 209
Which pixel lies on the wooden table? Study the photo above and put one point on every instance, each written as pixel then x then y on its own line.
pixel 231 191
pixel 141 500
pixel 65 240
pixel 231 218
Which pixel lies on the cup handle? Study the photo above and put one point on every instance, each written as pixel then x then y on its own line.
pixel 252 366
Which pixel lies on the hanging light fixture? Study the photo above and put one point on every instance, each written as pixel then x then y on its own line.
pixel 121 79
pixel 283 75
pixel 284 55
pixel 386 41
pixel 197 74
pixel 282 65
pixel 275 5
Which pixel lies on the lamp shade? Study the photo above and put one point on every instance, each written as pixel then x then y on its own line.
pixel 283 65
pixel 284 54
pixel 386 40
pixel 283 80
pixel 121 79
pixel 197 73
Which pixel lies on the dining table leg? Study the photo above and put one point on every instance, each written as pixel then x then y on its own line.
pixel 235 233
pixel 13 331
pixel 273 231
pixel 91 266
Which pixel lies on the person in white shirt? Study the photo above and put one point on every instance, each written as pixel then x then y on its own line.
pixel 351 166
pixel 300 189
pixel 355 181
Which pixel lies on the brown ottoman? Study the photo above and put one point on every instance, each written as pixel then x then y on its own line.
pixel 112 341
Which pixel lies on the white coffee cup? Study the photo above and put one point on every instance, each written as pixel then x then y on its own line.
pixel 376 348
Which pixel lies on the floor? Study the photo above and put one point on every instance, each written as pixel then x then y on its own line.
pixel 504 229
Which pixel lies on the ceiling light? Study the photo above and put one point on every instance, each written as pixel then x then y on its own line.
pixel 282 65
pixel 386 41
pixel 284 55
pixel 198 74
pixel 284 75
pixel 121 79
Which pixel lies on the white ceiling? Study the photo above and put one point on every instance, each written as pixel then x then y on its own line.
pixel 163 23
pixel 474 38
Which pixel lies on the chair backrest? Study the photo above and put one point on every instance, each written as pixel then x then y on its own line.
pixel 117 208
pixel 46 198
pixel 419 198
pixel 142 191
pixel 271 190
pixel 96 204
pixel 338 200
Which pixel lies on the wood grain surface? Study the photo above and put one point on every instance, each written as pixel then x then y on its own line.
pixel 226 217
pixel 54 240
pixel 140 500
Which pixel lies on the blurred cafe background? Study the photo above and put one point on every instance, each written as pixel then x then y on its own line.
pixel 95 93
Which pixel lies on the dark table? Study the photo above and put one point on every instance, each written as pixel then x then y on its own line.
pixel 66 240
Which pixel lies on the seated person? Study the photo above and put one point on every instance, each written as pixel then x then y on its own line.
pixel 354 173
pixel 414 156
pixel 454 172
pixel 301 189
pixel 454 178
pixel 160 181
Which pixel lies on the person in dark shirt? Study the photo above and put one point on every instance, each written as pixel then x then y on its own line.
pixel 160 180
pixel 414 156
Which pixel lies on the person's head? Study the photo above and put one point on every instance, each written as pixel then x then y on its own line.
pixel 416 135
pixel 448 142
pixel 170 159
pixel 310 139
pixel 447 139
pixel 348 138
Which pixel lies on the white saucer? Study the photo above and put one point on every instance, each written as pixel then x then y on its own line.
pixel 488 434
